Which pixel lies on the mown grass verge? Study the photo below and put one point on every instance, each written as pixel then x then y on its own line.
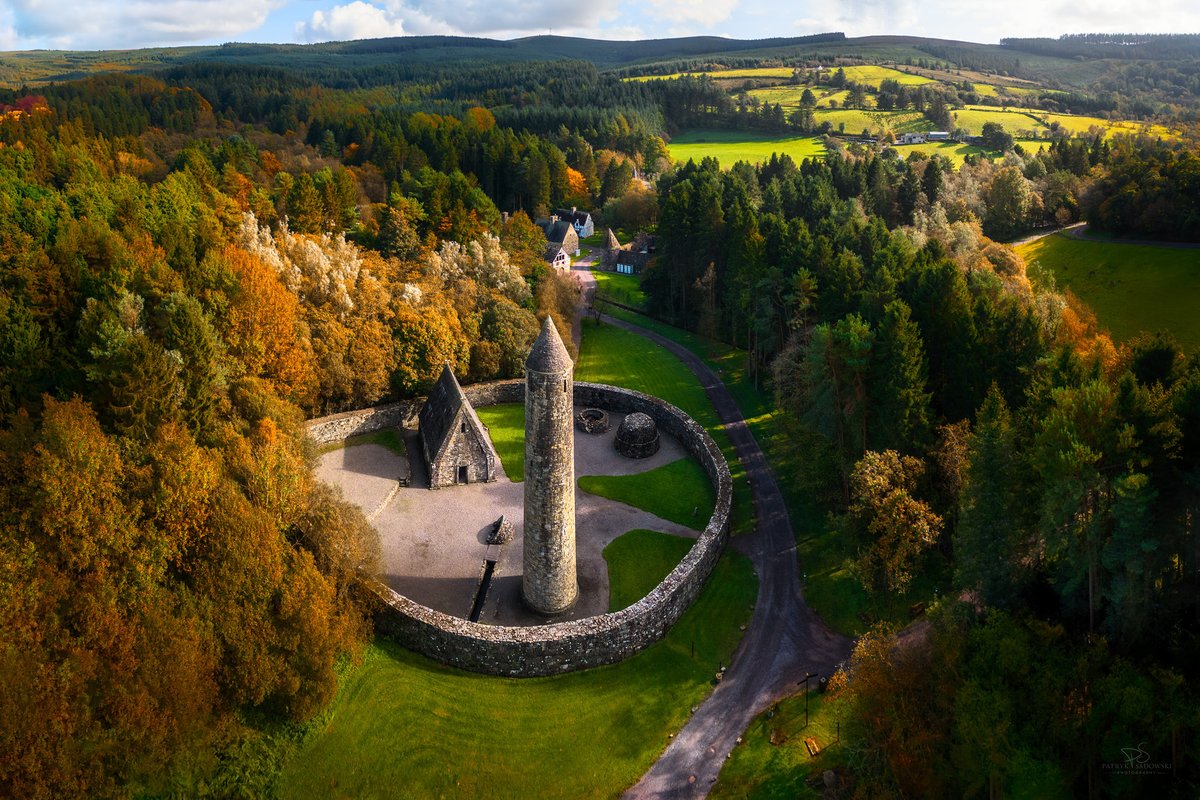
pixel 404 726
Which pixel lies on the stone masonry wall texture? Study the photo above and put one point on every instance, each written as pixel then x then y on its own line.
pixel 548 579
pixel 577 644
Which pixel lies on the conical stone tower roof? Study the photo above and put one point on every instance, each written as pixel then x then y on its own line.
pixel 549 354
pixel 610 241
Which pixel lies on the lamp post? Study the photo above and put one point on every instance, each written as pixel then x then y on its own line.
pixel 807 677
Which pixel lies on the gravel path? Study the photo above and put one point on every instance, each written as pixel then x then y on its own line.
pixel 784 640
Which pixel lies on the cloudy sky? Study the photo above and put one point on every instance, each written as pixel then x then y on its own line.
pixel 113 24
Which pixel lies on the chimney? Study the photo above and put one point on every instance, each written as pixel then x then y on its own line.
pixel 504 217
pixel 572 209
pixel 553 218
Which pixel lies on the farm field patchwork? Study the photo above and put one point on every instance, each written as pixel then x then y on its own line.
pixel 729 147
pixel 1131 288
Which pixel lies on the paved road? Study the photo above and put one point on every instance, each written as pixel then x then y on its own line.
pixel 784 639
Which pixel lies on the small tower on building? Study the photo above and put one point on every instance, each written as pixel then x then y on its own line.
pixel 549 584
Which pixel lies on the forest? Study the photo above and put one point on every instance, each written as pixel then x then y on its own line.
pixel 193 262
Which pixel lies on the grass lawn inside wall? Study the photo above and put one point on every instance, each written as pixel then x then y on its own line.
pixel 679 491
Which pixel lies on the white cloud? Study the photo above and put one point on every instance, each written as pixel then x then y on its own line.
pixel 358 20
pixel 704 12
pixel 130 23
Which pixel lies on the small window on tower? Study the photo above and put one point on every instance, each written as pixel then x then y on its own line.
pixel 464 427
pixel 564 385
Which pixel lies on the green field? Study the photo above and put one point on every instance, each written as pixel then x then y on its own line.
pixel 626 289
pixel 854 121
pixel 679 491
pixel 1132 288
pixel 872 75
pixel 404 726
pixel 729 147
pixel 724 74
pixel 972 119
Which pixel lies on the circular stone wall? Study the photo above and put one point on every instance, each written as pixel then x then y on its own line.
pixel 578 644
pixel 637 437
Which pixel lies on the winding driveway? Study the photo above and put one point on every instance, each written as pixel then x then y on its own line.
pixel 784 639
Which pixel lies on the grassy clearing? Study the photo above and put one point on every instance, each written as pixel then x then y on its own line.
pixel 853 120
pixel 679 491
pixel 389 439
pixel 506 424
pixel 872 75
pixel 772 761
pixel 645 558
pixel 626 289
pixel 404 726
pixel 1132 288
pixel 972 119
pixel 827 97
pixel 615 356
pixel 729 147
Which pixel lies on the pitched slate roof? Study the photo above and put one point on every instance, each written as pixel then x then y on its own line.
pixel 556 230
pixel 573 215
pixel 441 408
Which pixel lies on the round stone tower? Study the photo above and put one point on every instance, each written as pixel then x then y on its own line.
pixel 549 584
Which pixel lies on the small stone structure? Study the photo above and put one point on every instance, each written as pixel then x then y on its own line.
pixel 456 446
pixel 592 420
pixel 549 583
pixel 502 533
pixel 637 437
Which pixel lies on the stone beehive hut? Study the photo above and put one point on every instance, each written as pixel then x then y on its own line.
pixel 637 437
pixel 455 444
pixel 549 583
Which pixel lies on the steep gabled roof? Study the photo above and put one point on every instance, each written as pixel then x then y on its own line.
pixel 556 229
pixel 610 241
pixel 437 416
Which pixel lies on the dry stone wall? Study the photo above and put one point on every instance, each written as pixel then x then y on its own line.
pixel 577 644
pixel 337 427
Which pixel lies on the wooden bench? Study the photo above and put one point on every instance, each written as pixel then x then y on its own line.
pixel 812 746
